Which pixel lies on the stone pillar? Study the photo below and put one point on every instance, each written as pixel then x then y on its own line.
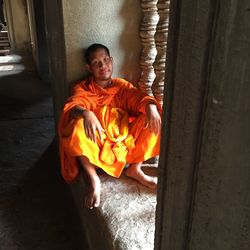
pixel 56 51
pixel 161 47
pixel 204 167
pixel 148 54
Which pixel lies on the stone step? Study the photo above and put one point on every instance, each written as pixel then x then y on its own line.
pixel 4 48
pixel 125 218
pixel 4 44
pixel 4 34
pixel 11 59
pixel 4 38
pixel 4 52
pixel 4 41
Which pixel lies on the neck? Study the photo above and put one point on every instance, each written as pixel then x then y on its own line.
pixel 103 83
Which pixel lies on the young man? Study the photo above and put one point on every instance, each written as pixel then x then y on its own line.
pixel 106 123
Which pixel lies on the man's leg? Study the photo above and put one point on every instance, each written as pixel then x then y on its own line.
pixel 147 145
pixel 93 191
pixel 134 171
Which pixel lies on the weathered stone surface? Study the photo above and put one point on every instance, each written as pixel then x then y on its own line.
pixel 126 216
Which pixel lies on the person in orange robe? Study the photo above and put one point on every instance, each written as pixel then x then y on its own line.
pixel 106 123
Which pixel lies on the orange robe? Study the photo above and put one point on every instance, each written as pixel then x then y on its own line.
pixel 120 108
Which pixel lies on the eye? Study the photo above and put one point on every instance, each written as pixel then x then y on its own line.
pixel 107 59
pixel 94 63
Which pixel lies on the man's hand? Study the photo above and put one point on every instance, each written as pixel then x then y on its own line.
pixel 91 123
pixel 153 119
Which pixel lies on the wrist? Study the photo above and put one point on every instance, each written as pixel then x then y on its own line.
pixel 152 107
pixel 78 112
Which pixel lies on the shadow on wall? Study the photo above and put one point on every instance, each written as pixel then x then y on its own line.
pixel 130 40
pixel 85 73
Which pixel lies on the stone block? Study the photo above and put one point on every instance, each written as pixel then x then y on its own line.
pixel 125 218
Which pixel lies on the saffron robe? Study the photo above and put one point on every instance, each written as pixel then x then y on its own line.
pixel 120 108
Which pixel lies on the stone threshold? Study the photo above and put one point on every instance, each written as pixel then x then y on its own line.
pixel 125 219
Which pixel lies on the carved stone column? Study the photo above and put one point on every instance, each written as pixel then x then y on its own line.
pixel 161 46
pixel 148 54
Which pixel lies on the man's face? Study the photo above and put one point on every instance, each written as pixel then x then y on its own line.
pixel 101 65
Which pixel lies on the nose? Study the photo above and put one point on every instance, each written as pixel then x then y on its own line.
pixel 100 64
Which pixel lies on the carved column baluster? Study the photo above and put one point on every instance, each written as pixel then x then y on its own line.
pixel 161 46
pixel 148 54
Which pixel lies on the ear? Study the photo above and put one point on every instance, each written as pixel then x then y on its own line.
pixel 88 68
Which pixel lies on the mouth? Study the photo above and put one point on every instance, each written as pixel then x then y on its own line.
pixel 103 72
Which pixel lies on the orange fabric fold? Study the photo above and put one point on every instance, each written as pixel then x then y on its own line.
pixel 123 141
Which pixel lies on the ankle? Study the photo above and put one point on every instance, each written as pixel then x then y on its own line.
pixel 135 166
pixel 95 180
pixel 132 171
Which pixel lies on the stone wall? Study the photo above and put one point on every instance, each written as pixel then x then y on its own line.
pixel 203 195
pixel 113 23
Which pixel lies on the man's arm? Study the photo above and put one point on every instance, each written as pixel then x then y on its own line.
pixel 91 123
pixel 133 100
pixel 77 112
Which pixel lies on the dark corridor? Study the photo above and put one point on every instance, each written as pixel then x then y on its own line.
pixel 36 210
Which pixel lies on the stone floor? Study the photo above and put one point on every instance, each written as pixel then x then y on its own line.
pixel 36 208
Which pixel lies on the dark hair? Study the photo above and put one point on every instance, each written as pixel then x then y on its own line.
pixel 92 48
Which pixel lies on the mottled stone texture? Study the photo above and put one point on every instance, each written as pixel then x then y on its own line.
pixel 113 23
pixel 204 165
pixel 221 218
pixel 125 219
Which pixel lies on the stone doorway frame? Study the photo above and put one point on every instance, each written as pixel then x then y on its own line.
pixel 189 55
pixel 207 56
pixel 60 90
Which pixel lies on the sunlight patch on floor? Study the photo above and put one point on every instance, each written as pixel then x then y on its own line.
pixel 10 59
pixel 11 69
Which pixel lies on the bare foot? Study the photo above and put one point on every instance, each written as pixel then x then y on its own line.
pixel 92 193
pixel 93 183
pixel 134 171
